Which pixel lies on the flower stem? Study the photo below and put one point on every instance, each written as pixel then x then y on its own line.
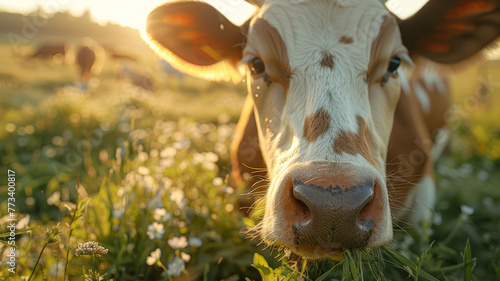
pixel 37 260
pixel 67 247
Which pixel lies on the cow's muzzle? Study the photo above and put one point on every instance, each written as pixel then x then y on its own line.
pixel 338 217
pixel 332 206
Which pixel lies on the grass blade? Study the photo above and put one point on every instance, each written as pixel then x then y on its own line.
pixel 7 234
pixel 467 262
pixel 324 275
pixel 405 261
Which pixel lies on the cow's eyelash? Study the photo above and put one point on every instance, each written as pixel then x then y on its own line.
pixel 406 58
pixel 246 59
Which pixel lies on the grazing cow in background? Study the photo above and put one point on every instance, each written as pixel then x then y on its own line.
pixel 57 52
pixel 345 152
pixel 48 50
pixel 90 58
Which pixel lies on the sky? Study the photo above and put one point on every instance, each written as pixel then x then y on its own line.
pixel 133 12
pixel 125 12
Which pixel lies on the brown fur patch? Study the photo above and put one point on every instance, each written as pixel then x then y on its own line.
pixel 327 60
pixel 315 126
pixel 353 144
pixel 346 40
pixel 412 138
pixel 272 49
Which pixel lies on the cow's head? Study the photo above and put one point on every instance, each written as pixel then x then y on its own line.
pixel 324 81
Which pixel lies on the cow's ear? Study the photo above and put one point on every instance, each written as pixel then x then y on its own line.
pixel 197 39
pixel 247 162
pixel 451 31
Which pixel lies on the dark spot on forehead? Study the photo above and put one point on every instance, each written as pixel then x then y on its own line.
pixel 346 40
pixel 355 143
pixel 327 60
pixel 317 125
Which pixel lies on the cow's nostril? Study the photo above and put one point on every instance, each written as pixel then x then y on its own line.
pixel 369 213
pixel 298 212
pixel 304 210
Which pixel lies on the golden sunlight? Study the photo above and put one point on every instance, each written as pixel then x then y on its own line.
pixel 127 13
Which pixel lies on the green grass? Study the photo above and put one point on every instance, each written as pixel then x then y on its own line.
pixel 142 173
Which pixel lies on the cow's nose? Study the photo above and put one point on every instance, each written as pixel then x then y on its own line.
pixel 338 217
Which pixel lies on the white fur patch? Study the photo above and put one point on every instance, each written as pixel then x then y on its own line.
pixel 423 97
pixel 442 139
pixel 419 203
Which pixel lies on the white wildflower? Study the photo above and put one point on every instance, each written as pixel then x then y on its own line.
pixel 149 183
pixel 176 267
pixel 438 219
pixel 185 257
pixel 118 213
pixel 166 163
pixel 177 196
pixel 228 190
pixel 198 158
pixel 161 215
pixel 155 230
pixel 178 242
pixel 182 144
pixel 54 198
pixel 467 210
pixel 211 157
pixel 121 191
pixel 24 222
pixel 154 257
pixel 224 132
pixel 142 156
pixel 168 152
pixel 209 166
pixel 165 183
pixel 154 153
pixel 142 170
pixel 195 242
pixel 217 181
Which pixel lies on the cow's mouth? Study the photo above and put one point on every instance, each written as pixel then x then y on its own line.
pixel 335 254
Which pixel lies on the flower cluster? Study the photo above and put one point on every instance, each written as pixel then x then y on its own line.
pixel 155 230
pixel 90 248
pixel 153 257
pixel 176 267
pixel 52 234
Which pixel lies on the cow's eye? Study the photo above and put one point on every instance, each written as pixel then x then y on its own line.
pixel 256 66
pixel 392 69
pixel 394 64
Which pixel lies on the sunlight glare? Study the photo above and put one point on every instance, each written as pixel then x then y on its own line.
pixel 404 9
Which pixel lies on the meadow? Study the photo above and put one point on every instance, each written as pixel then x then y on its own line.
pixel 120 183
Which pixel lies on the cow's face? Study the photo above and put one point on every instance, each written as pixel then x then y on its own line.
pixel 323 83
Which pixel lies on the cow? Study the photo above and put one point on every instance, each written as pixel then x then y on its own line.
pixel 89 58
pixel 57 52
pixel 50 50
pixel 345 131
